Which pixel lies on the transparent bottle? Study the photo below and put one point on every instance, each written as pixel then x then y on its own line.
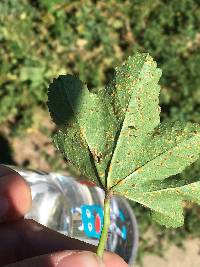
pixel 75 208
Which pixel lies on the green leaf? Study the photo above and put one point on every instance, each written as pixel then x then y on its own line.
pixel 167 152
pixel 137 95
pixel 114 137
pixel 79 157
pixel 166 204
pixel 86 116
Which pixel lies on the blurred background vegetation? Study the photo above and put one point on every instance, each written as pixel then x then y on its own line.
pixel 41 39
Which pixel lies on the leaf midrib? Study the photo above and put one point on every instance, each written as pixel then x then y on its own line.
pixel 122 124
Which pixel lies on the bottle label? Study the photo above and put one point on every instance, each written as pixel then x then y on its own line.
pixel 92 219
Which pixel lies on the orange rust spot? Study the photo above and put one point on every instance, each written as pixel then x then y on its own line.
pixel 178 191
pixel 162 163
pixel 133 82
pixel 110 168
pixel 101 174
pixel 125 192
pixel 82 131
pixel 139 170
pixel 107 145
pixel 121 182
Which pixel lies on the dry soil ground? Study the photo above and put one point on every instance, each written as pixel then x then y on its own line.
pixel 175 257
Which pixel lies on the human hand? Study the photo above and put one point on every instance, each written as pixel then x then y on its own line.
pixel 25 242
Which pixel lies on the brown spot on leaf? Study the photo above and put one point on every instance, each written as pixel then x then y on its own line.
pixel 132 127
pixel 178 191
pixel 106 145
pixel 110 168
pixel 97 156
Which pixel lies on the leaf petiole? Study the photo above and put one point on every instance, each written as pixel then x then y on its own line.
pixel 106 225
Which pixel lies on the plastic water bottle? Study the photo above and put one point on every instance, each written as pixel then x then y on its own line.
pixel 75 208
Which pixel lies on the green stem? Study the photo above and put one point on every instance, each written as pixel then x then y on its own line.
pixel 106 225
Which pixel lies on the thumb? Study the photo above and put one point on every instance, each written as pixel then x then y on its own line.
pixel 69 258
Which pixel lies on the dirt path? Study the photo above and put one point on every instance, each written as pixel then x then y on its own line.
pixel 175 257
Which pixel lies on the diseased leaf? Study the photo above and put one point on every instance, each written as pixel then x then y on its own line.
pixel 79 157
pixel 114 137
pixel 93 122
pixel 168 151
pixel 166 204
pixel 141 115
pixel 127 78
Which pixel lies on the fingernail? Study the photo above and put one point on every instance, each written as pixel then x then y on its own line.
pixel 3 206
pixel 82 259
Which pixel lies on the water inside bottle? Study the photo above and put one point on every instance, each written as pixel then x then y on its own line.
pixel 75 208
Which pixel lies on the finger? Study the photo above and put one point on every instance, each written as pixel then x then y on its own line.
pixel 27 238
pixel 61 259
pixel 15 195
pixel 113 260
pixel 72 259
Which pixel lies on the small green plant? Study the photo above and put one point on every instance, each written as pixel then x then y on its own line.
pixel 115 138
